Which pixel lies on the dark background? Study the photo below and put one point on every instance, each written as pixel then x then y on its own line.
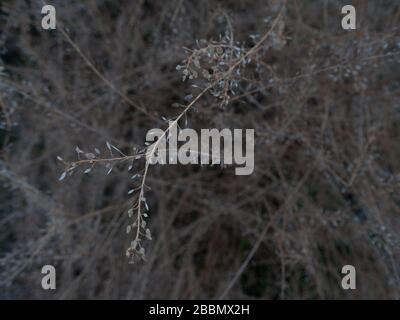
pixel 324 103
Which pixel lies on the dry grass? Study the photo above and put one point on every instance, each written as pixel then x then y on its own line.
pixel 324 104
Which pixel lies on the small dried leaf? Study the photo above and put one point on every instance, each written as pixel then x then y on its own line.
pixel 109 170
pixel 62 177
pixel 115 148
pixel 196 63
pixel 87 170
pixel 148 234
pixel 90 156
pixel 78 150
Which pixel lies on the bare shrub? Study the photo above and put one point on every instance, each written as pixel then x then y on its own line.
pixel 324 106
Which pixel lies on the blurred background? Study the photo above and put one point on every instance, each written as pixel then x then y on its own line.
pixel 324 103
